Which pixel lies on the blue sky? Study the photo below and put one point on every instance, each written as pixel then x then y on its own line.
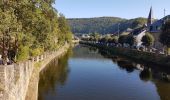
pixel 117 8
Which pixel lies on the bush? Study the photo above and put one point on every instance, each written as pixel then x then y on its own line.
pixel 23 53
pixel 36 52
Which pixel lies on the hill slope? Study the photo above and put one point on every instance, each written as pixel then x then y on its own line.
pixel 103 24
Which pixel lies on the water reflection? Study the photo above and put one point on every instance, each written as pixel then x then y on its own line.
pixel 55 74
pixel 100 80
pixel 156 74
pixel 147 72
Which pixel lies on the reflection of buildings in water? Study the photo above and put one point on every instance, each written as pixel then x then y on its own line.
pixel 159 78
pixel 147 73
pixel 139 67
pixel 154 74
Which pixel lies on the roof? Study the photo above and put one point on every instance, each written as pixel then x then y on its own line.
pixel 137 31
pixel 150 17
pixel 161 21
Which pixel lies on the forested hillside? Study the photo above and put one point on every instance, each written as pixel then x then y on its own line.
pixel 30 27
pixel 104 24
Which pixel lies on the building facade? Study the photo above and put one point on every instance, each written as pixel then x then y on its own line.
pixel 154 27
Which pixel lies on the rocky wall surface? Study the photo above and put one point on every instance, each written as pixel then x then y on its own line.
pixel 20 81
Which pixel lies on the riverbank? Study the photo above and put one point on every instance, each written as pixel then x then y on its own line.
pixel 147 57
pixel 32 92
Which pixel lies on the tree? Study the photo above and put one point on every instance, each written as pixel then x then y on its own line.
pixel 114 39
pixel 10 27
pixel 130 40
pixel 96 36
pixel 64 29
pixel 148 40
pixel 30 27
pixel 122 39
pixel 165 35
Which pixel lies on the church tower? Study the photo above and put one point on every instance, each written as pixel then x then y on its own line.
pixel 150 17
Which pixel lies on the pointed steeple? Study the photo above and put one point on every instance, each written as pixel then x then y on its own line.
pixel 150 17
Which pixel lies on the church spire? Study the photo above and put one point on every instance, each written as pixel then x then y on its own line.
pixel 150 17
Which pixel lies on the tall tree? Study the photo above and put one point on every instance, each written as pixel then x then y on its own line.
pixel 122 39
pixel 165 35
pixel 130 40
pixel 30 27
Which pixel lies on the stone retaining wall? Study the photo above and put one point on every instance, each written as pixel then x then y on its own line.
pixel 15 79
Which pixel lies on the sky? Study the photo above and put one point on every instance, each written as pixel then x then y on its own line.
pixel 113 8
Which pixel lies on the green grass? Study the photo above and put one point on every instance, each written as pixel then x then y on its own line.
pixel 38 64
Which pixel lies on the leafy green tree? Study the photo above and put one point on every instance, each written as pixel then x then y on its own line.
pixel 130 40
pixel 64 29
pixel 9 29
pixel 165 35
pixel 30 27
pixel 122 39
pixel 148 40
pixel 96 36
pixel 115 39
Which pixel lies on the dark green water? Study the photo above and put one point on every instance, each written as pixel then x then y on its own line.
pixel 86 73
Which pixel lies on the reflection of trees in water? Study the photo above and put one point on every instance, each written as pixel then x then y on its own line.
pixel 55 74
pixel 157 75
pixel 93 50
pixel 126 65
pixel 160 76
pixel 105 54
pixel 146 74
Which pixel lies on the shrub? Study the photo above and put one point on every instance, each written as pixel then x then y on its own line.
pixel 23 53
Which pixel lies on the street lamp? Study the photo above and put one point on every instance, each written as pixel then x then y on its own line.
pixel 118 29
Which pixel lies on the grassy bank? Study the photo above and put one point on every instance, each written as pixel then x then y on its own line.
pixel 147 57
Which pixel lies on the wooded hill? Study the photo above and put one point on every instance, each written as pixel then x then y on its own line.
pixel 104 25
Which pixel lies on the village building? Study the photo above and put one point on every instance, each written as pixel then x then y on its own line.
pixel 152 26
pixel 138 35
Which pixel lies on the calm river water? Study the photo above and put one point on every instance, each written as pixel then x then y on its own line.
pixel 86 73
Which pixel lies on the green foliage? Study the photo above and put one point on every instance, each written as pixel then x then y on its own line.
pixel 130 40
pixel 115 39
pixel 23 53
pixel 165 34
pixel 122 39
pixel 31 27
pixel 95 36
pixel 38 64
pixel 138 22
pixel 36 52
pixel 148 40
pixel 104 25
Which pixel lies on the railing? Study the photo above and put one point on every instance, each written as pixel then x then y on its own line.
pixel 14 79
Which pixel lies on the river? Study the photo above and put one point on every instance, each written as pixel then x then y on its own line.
pixel 86 73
